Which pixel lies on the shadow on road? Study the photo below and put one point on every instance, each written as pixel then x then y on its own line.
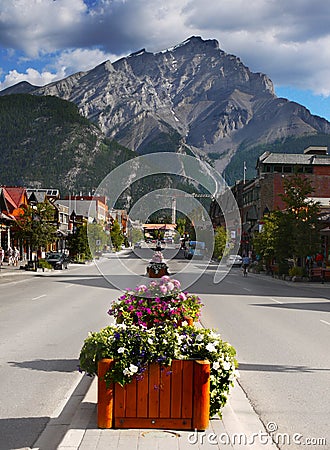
pixel 313 306
pixel 28 432
pixel 279 368
pixel 48 365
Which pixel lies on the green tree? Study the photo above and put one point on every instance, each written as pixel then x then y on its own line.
pixel 78 243
pixel 97 238
pixel 294 232
pixel 302 217
pixel 117 238
pixel 220 239
pixel 36 226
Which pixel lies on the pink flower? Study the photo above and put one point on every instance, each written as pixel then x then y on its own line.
pixel 182 296
pixel 170 286
pixel 165 278
pixel 142 288
pixel 163 289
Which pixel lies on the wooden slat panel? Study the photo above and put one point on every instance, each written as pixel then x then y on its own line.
pixel 187 389
pixel 119 403
pixel 131 406
pixel 142 395
pixel 165 392
pixel 201 411
pixel 174 424
pixel 154 381
pixel 176 388
pixel 105 396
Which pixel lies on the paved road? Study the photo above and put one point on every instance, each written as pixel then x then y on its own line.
pixel 280 330
pixel 43 322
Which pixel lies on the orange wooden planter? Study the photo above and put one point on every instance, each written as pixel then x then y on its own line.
pixel 176 397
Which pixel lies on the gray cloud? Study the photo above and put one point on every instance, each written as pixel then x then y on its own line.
pixel 287 40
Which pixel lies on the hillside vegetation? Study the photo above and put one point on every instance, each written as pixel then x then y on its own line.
pixel 45 142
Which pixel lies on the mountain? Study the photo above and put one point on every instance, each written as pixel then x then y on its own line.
pixel 45 142
pixel 192 98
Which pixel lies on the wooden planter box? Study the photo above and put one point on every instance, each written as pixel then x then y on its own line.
pixel 176 397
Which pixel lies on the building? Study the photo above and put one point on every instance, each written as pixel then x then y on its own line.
pixel 259 196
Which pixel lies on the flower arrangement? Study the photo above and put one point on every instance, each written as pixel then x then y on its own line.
pixel 151 328
pixel 160 302
pixel 157 265
pixel 134 346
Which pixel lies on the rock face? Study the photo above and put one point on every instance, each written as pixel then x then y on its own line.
pixel 193 95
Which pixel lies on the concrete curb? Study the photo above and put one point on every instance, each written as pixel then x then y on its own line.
pixel 239 427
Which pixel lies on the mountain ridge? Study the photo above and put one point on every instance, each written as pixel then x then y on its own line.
pixel 192 97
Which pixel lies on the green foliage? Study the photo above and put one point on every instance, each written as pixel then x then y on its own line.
pixel 293 233
pixel 97 238
pixel 43 264
pixel 133 347
pixel 36 227
pixel 297 272
pixel 117 238
pixel 136 235
pixel 44 141
pixel 78 244
pixel 220 240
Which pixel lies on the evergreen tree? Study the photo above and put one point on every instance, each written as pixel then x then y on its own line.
pixel 117 238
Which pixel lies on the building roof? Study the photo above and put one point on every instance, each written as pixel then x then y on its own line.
pixel 159 226
pixel 297 158
pixel 15 195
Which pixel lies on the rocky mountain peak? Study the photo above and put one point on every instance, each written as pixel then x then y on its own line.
pixel 193 95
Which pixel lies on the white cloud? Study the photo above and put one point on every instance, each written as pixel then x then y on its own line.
pixel 31 75
pixel 68 62
pixel 288 41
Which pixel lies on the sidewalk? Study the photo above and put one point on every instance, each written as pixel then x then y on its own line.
pixel 76 428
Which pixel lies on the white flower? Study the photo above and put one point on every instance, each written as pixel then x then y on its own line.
pixel 121 349
pixel 216 365
pixel 126 372
pixel 133 368
pixel 210 347
pixel 184 323
pixel 199 338
pixel 226 365
pixel 150 341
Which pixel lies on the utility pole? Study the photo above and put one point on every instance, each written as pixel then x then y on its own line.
pixel 173 210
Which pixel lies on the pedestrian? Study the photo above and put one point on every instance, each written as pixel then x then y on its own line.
pixel 10 256
pixel 2 255
pixel 246 263
pixel 309 262
pixel 319 259
pixel 16 256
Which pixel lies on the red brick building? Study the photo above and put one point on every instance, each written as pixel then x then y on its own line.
pixel 259 196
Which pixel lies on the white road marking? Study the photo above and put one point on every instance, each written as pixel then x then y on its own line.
pixel 324 321
pixel 40 296
pixel 276 301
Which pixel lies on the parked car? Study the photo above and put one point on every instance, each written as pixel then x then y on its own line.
pixel 234 261
pixel 138 245
pixel 58 260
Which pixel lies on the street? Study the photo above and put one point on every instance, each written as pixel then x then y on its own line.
pixel 280 331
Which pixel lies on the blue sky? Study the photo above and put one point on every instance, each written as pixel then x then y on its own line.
pixel 45 40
